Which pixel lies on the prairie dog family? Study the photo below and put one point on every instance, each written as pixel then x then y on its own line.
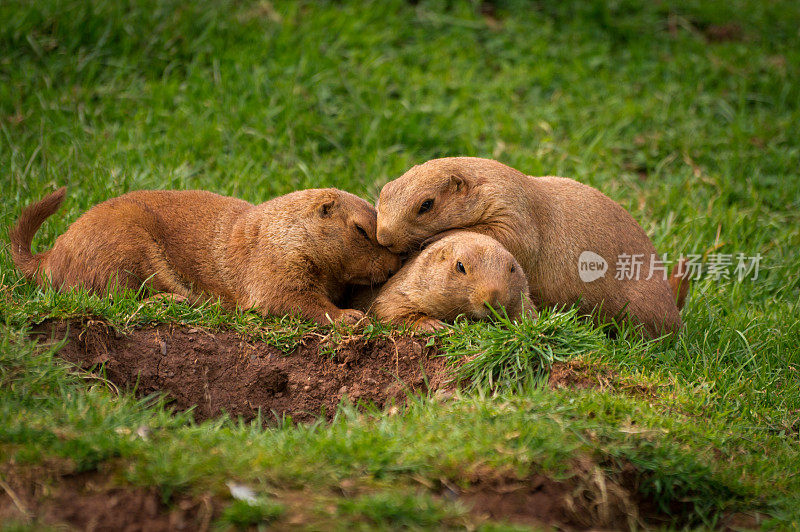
pixel 292 254
pixel 298 252
pixel 458 272
pixel 545 222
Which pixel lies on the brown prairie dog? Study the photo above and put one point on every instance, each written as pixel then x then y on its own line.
pixel 458 272
pixel 292 254
pixel 545 222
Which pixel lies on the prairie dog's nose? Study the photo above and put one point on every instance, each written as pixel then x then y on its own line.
pixel 384 237
pixel 490 297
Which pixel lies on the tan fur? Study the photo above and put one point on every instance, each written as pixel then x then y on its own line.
pixel 29 222
pixel 429 288
pixel 545 222
pixel 293 254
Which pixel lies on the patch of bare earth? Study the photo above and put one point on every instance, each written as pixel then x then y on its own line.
pixel 586 498
pixel 93 501
pixel 731 31
pixel 713 33
pixel 584 375
pixel 227 372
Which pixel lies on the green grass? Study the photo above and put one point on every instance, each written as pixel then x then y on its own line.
pixel 242 514
pixel 697 138
pixel 512 353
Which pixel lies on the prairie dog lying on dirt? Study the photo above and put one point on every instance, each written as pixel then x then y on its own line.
pixel 458 272
pixel 292 254
pixel 547 223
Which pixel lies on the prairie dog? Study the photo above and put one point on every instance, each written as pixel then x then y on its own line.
pixel 292 254
pixel 458 272
pixel 546 223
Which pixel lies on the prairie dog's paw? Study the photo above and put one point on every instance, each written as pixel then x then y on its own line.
pixel 349 316
pixel 428 324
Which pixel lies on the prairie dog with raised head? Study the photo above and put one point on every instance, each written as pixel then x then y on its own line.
pixel 546 223
pixel 292 254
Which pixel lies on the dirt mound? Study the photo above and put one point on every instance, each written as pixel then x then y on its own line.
pixel 224 371
pixel 227 372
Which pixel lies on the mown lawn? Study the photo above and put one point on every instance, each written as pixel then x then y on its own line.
pixel 684 112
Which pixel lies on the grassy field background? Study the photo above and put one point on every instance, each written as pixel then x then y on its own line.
pixel 686 113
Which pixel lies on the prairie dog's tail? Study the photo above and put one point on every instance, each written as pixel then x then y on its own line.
pixel 679 282
pixel 29 222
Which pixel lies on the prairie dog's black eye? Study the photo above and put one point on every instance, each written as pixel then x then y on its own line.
pixel 426 206
pixel 361 230
pixel 513 269
pixel 460 267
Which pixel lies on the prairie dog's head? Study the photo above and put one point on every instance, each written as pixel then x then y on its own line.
pixel 343 234
pixel 435 196
pixel 463 273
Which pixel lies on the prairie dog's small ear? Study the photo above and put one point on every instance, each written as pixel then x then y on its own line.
pixel 326 208
pixel 457 182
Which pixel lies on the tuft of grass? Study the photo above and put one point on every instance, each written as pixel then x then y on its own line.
pixel 244 514
pixel 512 353
pixel 400 510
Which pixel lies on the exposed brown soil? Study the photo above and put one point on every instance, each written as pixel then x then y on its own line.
pixel 227 372
pixel 723 32
pixel 584 375
pixel 712 33
pixel 577 374
pixel 92 501
pixel 587 499
pixel 534 501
